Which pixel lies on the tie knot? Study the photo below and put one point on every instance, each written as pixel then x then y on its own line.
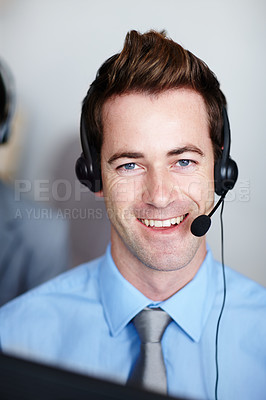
pixel 151 324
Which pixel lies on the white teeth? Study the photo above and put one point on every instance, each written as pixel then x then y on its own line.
pixel 158 224
pixel 165 223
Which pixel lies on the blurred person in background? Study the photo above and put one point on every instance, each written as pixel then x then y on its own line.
pixel 33 248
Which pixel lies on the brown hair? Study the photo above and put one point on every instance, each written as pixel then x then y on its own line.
pixel 152 63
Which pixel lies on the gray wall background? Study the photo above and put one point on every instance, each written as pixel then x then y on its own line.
pixel 54 48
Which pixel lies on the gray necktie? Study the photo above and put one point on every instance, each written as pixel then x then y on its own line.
pixel 149 371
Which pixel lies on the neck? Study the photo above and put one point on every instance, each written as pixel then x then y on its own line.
pixel 157 285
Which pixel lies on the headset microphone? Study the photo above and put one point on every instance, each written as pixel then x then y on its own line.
pixel 225 177
pixel 202 223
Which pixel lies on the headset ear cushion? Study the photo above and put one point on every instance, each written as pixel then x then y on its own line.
pixel 218 178
pixel 225 176
pixel 232 174
pixel 86 175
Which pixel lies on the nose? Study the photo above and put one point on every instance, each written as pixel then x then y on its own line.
pixel 160 190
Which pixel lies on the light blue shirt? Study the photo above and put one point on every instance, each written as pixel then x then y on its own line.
pixel 81 320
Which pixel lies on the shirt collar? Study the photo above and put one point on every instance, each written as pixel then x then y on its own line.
pixel 189 307
pixel 121 300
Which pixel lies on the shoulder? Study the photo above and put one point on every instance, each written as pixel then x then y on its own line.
pixel 241 291
pixel 42 320
pixel 244 318
pixel 245 302
pixel 72 286
pixel 242 330
pixel 244 291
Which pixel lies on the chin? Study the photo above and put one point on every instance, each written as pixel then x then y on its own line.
pixel 172 259
pixel 164 263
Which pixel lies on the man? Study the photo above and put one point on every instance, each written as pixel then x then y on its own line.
pixel 153 120
pixel 33 250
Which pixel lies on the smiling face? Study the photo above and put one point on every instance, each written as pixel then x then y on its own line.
pixel 157 171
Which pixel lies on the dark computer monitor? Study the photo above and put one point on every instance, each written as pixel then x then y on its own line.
pixel 26 380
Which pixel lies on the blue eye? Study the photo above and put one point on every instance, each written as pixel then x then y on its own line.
pixel 129 166
pixel 184 163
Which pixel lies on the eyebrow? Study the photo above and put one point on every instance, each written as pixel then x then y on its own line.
pixel 125 154
pixel 185 149
pixel 174 152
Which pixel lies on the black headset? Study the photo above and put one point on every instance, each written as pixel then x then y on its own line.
pixel 88 170
pixel 7 101
pixel 89 173
pixel 225 168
